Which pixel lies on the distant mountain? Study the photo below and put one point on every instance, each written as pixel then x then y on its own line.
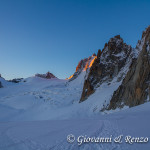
pixel 48 75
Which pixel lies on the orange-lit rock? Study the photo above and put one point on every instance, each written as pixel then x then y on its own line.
pixel 83 65
pixel 91 63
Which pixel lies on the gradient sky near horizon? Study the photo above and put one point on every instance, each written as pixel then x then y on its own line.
pixel 37 36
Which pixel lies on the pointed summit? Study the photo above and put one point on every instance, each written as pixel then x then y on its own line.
pixel 146 32
pixel 83 66
pixel 48 75
pixel 108 65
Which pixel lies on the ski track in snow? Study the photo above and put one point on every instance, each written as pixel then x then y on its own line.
pixel 100 128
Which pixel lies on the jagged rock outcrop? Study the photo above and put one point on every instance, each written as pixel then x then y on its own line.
pixel 17 80
pixel 135 88
pixel 48 75
pixel 108 65
pixel 83 65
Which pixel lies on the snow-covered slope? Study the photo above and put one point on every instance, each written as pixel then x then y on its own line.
pixel 5 83
pixel 52 134
pixel 29 104
pixel 42 99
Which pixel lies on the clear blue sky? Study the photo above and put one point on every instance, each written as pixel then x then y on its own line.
pixel 37 36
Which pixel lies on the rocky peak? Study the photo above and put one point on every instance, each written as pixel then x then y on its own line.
pixel 115 46
pixel 146 32
pixel 99 53
pixel 48 75
pixel 115 42
pixel 83 66
pixel 108 65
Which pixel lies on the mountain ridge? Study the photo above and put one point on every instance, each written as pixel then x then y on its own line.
pixel 101 71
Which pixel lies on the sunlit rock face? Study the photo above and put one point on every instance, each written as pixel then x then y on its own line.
pixel 48 75
pixel 109 64
pixel 83 66
pixel 135 88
